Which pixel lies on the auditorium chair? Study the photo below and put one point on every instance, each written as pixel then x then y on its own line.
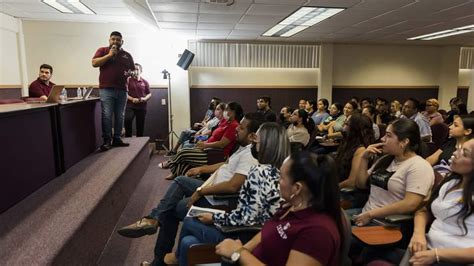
pixel 439 133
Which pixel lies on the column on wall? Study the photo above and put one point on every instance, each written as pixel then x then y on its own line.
pixel 325 71
pixel 470 93
pixel 22 58
pixel 448 75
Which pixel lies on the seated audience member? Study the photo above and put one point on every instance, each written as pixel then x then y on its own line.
pixel 308 230
pixel 264 107
pixel 42 86
pixel 322 112
pixel 334 112
pixel 410 110
pixel 355 99
pixel 335 127
pixel 208 122
pixel 370 112
pixel 450 239
pixel 189 140
pixel 222 137
pixel 400 180
pixel 431 112
pixel 460 131
pixel 366 101
pixel 311 107
pixel 395 109
pixel 298 130
pixel 285 114
pixel 358 135
pixel 383 114
pixel 453 103
pixel 209 113
pixel 138 95
pixel 227 178
pixel 259 197
pixel 302 104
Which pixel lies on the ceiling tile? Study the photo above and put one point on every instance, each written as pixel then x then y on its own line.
pixel 281 2
pixel 384 4
pixel 219 18
pixel 333 3
pixel 281 10
pixel 215 26
pixel 246 32
pixel 236 8
pixel 175 7
pixel 176 17
pixel 213 32
pixel 177 25
pixel 254 19
pixel 253 26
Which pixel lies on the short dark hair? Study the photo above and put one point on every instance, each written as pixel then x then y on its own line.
pixel 47 67
pixel 371 109
pixel 367 99
pixel 266 98
pixel 325 102
pixel 255 120
pixel 312 103
pixel 237 108
pixel 416 103
pixel 116 33
pixel 139 66
pixel 382 100
pixel 289 109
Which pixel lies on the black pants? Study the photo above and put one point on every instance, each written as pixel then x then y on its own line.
pixel 130 114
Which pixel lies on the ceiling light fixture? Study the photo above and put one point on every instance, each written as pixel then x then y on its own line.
pixel 301 19
pixel 69 6
pixel 59 7
pixel 444 33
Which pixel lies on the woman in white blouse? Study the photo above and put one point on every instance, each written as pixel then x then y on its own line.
pixel 450 239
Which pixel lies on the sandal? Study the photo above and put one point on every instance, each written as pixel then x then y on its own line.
pixel 170 177
pixel 164 165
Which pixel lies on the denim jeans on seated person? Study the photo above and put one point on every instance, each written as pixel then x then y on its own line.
pixel 113 103
pixel 172 209
pixel 195 232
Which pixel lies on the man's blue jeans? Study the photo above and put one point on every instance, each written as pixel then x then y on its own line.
pixel 113 103
pixel 195 232
pixel 172 209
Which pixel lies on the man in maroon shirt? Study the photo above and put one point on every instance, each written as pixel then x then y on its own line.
pixel 114 63
pixel 138 94
pixel 41 87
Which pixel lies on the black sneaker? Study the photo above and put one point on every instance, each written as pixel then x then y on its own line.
pixel 119 143
pixel 170 153
pixel 105 146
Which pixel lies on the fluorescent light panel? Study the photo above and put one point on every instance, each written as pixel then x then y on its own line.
pixel 301 19
pixel 444 33
pixel 65 6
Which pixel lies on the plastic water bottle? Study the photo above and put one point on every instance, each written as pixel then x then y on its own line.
pixel 79 93
pixel 63 96
pixel 84 91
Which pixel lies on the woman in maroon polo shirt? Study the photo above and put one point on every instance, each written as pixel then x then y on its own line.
pixel 138 94
pixel 308 231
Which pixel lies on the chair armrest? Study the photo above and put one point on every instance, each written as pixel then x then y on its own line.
pixel 226 196
pixel 240 229
pixel 348 190
pixel 399 218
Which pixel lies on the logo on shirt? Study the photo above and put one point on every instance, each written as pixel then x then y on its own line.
pixel 282 228
pixel 125 56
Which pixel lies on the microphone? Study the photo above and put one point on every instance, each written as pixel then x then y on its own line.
pixel 114 47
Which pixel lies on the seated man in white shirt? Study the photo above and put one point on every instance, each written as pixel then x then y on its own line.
pixel 227 179
pixel 411 110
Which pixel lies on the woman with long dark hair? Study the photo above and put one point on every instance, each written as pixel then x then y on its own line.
pixel 450 239
pixel 400 180
pixel 308 230
pixel 298 130
pixel 358 135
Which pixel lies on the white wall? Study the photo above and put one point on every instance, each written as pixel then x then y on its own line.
pixel 386 65
pixel 70 46
pixel 214 76
pixel 464 77
pixel 10 72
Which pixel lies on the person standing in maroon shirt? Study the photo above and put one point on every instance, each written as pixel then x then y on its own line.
pixel 42 86
pixel 114 64
pixel 138 94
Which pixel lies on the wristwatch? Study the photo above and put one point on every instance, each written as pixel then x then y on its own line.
pixel 236 255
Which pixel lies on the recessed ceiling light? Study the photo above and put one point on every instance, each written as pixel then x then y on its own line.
pixel 444 33
pixel 69 6
pixel 301 19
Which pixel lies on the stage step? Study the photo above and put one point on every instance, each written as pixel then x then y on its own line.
pixel 69 220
